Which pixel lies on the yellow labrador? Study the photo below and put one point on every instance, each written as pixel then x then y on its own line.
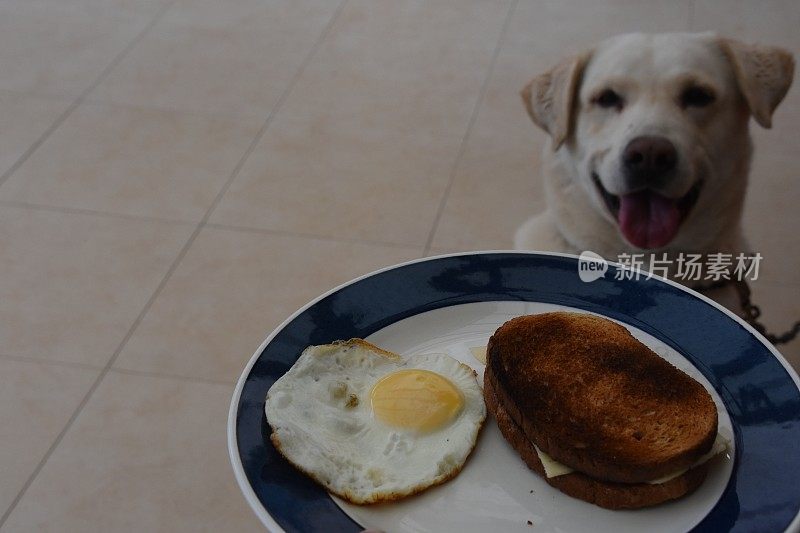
pixel 649 143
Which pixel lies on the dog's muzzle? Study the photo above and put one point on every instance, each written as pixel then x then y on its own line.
pixel 647 219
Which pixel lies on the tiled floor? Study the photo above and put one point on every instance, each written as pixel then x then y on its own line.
pixel 177 176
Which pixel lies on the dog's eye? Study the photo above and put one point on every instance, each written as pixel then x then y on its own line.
pixel 696 97
pixel 608 98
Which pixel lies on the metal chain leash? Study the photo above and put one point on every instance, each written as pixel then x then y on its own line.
pixel 752 313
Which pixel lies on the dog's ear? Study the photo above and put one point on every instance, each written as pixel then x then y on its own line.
pixel 764 74
pixel 550 97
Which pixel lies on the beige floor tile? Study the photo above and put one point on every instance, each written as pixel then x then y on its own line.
pixel 769 21
pixel 232 289
pixel 24 118
pixel 102 8
pixel 73 284
pixel 133 161
pixel 772 22
pixel 364 145
pixel 551 30
pixel 780 141
pixel 233 57
pixel 497 185
pixel 36 401
pixel 145 454
pixel 54 48
pixel 332 178
pixel 771 218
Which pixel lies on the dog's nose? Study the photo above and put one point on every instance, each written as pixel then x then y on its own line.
pixel 648 159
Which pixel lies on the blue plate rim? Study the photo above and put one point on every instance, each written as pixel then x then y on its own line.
pixel 233 448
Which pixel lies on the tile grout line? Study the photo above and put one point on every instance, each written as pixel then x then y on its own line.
pixel 227 227
pixel 274 111
pixel 4 177
pixel 177 377
pixel 92 212
pixel 472 119
pixel 310 236
pixel 54 362
pixel 81 97
pixel 181 253
pixel 232 116
pixel 98 368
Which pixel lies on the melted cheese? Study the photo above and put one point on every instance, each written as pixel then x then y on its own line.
pixel 553 468
pixel 479 353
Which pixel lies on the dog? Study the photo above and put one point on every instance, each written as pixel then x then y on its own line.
pixel 649 146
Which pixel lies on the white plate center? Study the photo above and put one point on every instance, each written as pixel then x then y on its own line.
pixel 496 491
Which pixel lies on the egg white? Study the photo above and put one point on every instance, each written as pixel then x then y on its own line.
pixel 322 422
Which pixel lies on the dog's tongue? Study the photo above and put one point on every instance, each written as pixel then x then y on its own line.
pixel 648 220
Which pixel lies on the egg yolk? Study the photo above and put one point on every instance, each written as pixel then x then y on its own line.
pixel 415 400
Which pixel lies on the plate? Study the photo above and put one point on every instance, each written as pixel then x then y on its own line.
pixel 451 304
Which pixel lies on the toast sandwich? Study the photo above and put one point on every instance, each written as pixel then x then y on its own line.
pixel 578 395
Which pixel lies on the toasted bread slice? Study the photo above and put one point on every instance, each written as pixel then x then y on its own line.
pixel 605 494
pixel 590 395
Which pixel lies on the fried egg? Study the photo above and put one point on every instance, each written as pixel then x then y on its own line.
pixel 371 426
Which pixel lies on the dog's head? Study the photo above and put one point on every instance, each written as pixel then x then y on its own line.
pixel 651 124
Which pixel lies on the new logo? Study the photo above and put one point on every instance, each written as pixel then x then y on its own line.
pixel 591 266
